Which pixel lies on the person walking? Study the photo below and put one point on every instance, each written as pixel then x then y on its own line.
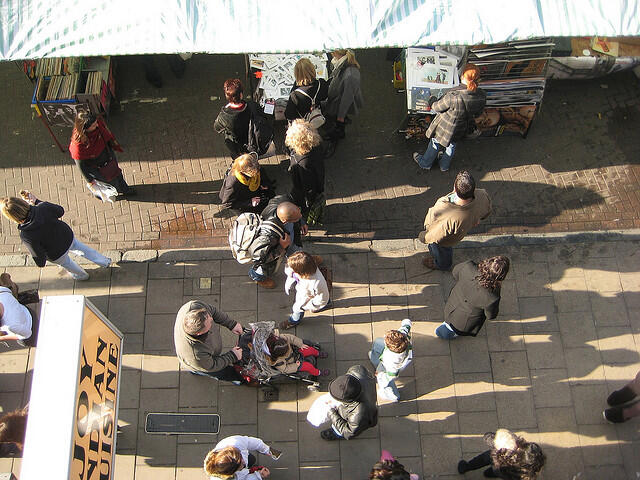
pixel 46 236
pixel 355 409
pixel 246 186
pixel 306 164
pixel 344 95
pixel 455 110
pixel 451 217
pixel 92 149
pixel 475 297
pixel 624 402
pixel 510 457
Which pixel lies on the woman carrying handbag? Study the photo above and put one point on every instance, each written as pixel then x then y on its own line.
pixel 92 148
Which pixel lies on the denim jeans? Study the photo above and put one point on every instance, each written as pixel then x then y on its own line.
pixel 431 153
pixel 445 332
pixel 80 249
pixel 442 256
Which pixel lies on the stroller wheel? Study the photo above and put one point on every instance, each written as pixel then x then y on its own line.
pixel 314 387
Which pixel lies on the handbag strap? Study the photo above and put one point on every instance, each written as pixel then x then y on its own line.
pixel 313 100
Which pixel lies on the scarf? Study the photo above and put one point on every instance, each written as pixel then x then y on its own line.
pixel 252 182
pixel 337 65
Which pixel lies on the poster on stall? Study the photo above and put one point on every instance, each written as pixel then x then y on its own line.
pixel 429 72
pixel 277 71
pixel 496 121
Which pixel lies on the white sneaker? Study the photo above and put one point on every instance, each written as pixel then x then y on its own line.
pixel 105 265
pixel 80 278
pixel 387 394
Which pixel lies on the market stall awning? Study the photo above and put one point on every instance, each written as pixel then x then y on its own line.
pixel 63 28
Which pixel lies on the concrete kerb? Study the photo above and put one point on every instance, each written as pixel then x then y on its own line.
pixel 334 245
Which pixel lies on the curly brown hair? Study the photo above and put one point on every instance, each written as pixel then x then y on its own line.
pixel 302 263
pixel 524 462
pixel 223 463
pixel 492 271
pixel 396 341
pixel 388 470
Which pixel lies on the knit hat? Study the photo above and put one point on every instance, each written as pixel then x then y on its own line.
pixel 345 388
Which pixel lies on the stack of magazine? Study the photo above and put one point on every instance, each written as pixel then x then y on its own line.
pixel 94 83
pixel 62 87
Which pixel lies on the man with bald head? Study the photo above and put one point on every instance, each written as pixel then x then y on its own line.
pixel 270 245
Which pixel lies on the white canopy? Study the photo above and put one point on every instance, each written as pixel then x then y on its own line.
pixel 61 28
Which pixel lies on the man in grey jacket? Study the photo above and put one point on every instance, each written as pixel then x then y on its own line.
pixel 357 411
pixel 199 344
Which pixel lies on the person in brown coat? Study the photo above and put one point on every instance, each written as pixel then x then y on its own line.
pixel 475 297
pixel 455 110
pixel 450 218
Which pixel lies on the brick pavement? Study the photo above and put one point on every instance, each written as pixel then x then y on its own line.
pixel 568 334
pixel 577 170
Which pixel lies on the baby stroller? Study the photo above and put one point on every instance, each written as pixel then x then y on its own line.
pixel 254 365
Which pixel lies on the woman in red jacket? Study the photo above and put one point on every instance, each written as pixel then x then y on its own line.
pixel 92 148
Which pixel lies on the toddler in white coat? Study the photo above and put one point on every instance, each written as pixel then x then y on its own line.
pixel 312 292
pixel 390 355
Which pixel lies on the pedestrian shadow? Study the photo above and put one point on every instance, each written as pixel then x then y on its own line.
pixel 199 193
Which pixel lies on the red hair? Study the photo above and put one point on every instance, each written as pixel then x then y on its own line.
pixel 471 74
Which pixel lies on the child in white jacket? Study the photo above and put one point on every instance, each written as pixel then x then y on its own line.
pixel 312 292
pixel 390 355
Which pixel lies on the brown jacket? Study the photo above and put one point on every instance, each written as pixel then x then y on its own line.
pixel 447 223
pixel 202 354
pixel 455 110
pixel 287 364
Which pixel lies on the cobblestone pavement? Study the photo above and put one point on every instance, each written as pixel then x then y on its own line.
pixel 577 170
pixel 568 334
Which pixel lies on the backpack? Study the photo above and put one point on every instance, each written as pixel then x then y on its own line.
pixel 245 229
pixel 314 116
pixel 260 131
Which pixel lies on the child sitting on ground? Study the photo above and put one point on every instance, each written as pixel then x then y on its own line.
pixel 286 353
pixel 390 356
pixel 312 292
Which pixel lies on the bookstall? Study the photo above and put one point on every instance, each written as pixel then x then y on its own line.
pixel 512 74
pixel 64 86
pixel 271 77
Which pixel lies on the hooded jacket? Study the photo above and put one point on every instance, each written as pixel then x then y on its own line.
pixel 44 234
pixel 202 353
pixel 351 418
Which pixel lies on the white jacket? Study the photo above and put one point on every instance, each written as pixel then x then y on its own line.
pixel 244 444
pixel 312 294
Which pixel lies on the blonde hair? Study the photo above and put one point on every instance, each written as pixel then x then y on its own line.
pixel 15 209
pixel 224 463
pixel 351 56
pixel 302 137
pixel 246 164
pixel 305 72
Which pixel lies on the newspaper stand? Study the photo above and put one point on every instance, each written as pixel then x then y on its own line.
pixel 73 409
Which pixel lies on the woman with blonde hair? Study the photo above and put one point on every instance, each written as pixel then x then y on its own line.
pixel 46 236
pixel 454 112
pixel 344 95
pixel 92 148
pixel 307 91
pixel 306 164
pixel 230 459
pixel 246 186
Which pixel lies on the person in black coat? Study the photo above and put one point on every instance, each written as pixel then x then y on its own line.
pixel 307 164
pixel 355 393
pixel 306 89
pixel 46 236
pixel 275 239
pixel 475 297
pixel 246 186
pixel 233 119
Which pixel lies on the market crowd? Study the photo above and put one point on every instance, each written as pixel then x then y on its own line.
pixel 269 232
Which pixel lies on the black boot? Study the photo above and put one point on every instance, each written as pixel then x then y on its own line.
pixel 619 397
